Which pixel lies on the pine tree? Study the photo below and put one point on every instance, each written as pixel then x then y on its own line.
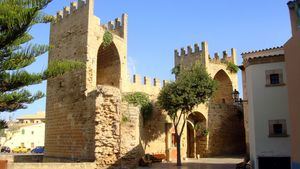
pixel 17 52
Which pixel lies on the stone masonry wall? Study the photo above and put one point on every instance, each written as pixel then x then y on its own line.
pixel 107 138
pixel 131 130
pixel 69 122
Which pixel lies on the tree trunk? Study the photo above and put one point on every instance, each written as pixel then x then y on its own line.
pixel 178 140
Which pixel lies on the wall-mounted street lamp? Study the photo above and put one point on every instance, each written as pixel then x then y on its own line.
pixel 236 97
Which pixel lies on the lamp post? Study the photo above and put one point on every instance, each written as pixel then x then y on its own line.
pixel 236 97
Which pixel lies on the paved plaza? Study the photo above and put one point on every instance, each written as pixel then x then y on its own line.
pixel 205 163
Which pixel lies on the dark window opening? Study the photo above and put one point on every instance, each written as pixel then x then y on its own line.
pixel 274 79
pixel 277 128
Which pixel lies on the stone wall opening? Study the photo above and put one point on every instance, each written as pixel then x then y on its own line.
pixel 108 66
pixel 196 137
pixel 226 129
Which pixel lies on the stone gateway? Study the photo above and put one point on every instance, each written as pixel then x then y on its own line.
pixel 85 111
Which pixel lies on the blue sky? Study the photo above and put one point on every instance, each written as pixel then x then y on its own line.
pixel 157 27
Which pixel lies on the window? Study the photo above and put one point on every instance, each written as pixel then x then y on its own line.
pixel 23 131
pixel 32 132
pixel 277 128
pixel 274 78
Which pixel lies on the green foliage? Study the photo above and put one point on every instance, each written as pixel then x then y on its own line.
pixel 201 130
pixel 125 119
pixel 107 39
pixel 60 67
pixel 16 53
pixel 233 68
pixel 192 87
pixel 17 100
pixel 176 70
pixel 142 100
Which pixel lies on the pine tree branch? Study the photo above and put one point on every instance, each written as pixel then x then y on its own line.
pixel 60 67
pixel 23 58
pixel 17 17
pixel 18 79
pixel 17 100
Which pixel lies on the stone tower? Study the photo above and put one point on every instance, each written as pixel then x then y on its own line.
pixel 72 99
pixel 219 116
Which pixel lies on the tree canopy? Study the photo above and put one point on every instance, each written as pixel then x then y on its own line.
pixel 192 87
pixel 17 52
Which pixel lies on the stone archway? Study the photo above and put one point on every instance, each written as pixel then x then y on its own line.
pixel 226 130
pixel 108 66
pixel 196 139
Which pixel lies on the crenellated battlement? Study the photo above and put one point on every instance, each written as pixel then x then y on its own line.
pixel 117 26
pixel 145 84
pixel 187 56
pixel 69 10
pixel 147 81
pixel 114 25
pixel 188 51
pixel 225 57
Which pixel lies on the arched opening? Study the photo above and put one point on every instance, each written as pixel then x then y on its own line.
pixel 196 135
pixel 225 127
pixel 190 140
pixel 108 66
pixel 224 93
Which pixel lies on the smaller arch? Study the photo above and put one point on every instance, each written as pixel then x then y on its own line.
pixel 196 143
pixel 108 66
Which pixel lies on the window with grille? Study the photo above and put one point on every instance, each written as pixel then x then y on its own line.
pixel 277 128
pixel 274 78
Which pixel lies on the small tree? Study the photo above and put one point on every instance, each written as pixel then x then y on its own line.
pixel 192 87
pixel 16 53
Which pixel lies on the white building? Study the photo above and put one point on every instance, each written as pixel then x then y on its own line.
pixel 27 136
pixel 266 108
pixel 28 131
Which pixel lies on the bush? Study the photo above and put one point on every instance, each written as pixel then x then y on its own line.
pixel 233 68
pixel 142 100
pixel 107 39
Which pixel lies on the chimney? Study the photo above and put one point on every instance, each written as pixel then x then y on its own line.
pixel 294 7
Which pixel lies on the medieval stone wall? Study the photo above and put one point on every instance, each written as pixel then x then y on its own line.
pixel 107 129
pixel 84 118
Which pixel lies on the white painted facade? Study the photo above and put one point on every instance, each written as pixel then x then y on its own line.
pixel 30 136
pixel 266 103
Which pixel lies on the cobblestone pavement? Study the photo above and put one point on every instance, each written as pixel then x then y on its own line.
pixel 205 163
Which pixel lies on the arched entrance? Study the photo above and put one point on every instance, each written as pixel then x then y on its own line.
pixel 108 66
pixel 226 130
pixel 196 135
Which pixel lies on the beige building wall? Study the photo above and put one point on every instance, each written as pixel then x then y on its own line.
pixel 292 53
